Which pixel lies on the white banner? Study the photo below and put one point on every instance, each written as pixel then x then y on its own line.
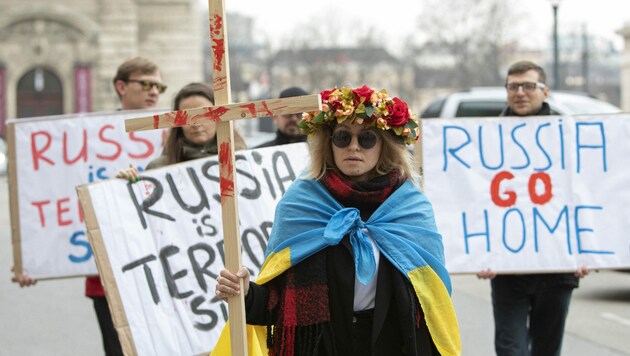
pixel 530 194
pixel 53 155
pixel 163 243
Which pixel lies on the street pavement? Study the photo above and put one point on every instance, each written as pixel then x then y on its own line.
pixel 55 318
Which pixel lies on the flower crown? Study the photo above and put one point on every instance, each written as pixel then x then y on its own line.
pixel 363 106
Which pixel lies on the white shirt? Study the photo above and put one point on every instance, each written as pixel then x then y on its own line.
pixel 364 296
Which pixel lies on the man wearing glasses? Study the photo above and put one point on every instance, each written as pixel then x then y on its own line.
pixel 530 310
pixel 526 90
pixel 138 84
pixel 287 125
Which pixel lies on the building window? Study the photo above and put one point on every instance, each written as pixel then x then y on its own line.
pixel 39 93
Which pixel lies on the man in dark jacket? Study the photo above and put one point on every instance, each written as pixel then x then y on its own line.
pixel 288 130
pixel 530 310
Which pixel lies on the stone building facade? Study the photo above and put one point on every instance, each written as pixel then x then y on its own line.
pixel 60 56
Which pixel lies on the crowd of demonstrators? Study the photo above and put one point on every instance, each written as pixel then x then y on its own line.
pixel 530 310
pixel 364 274
pixel 287 130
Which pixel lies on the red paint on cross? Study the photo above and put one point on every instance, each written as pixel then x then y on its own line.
pixel 219 83
pixel 214 114
pixel 225 160
pixel 181 118
pixel 251 108
pixel 267 111
pixel 156 121
pixel 218 43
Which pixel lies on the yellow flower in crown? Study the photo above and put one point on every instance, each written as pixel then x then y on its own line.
pixel 363 106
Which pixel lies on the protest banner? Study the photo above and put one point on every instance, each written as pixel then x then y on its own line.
pixel 48 158
pixel 530 194
pixel 159 244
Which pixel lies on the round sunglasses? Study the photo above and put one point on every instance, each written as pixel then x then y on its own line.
pixel 342 138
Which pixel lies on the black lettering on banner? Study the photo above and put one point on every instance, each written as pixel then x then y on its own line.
pixel 247 245
pixel 197 268
pixel 290 177
pixel 223 306
pixel 195 307
pixel 221 250
pixel 203 199
pixel 205 222
pixel 165 253
pixel 147 273
pixel 147 203
pixel 258 159
pixel 265 227
pixel 205 170
pixel 248 193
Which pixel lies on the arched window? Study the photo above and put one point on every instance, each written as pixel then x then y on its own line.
pixel 39 93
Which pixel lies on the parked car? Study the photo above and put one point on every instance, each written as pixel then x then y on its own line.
pixel 3 157
pixel 490 101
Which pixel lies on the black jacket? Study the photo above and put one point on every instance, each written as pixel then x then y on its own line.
pixel 394 322
pixel 544 110
pixel 282 139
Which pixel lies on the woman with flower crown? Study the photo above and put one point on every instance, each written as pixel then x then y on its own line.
pixel 354 264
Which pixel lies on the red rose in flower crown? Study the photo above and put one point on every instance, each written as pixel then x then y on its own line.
pixel 398 113
pixel 364 93
pixel 365 106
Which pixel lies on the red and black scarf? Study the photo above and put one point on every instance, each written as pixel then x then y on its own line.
pixel 298 299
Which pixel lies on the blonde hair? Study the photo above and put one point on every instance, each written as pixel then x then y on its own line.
pixel 394 155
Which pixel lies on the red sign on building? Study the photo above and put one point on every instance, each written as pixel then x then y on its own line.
pixel 82 88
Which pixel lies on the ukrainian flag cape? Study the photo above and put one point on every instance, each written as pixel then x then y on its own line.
pixel 308 219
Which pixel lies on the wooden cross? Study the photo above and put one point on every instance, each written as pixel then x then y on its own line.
pixel 223 113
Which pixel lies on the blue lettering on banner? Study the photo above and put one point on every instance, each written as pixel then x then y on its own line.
pixel 460 146
pixel 76 240
pixel 579 146
pixel 514 216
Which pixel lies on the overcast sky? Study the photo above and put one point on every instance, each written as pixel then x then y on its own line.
pixel 277 19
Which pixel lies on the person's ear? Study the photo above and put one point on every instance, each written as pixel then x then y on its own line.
pixel 120 87
pixel 546 92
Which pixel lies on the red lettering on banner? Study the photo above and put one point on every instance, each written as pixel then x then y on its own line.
pixel 106 140
pixel 82 152
pixel 61 210
pixel 149 144
pixel 494 190
pixel 536 198
pixel 106 145
pixel 225 159
pixel 39 205
pixel 38 153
